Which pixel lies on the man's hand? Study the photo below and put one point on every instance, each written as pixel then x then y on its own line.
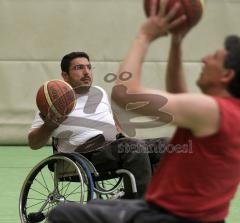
pixel 52 120
pixel 160 24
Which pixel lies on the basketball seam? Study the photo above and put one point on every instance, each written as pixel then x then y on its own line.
pixel 51 105
pixel 75 101
pixel 64 95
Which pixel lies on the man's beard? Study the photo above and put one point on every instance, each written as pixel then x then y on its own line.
pixel 82 89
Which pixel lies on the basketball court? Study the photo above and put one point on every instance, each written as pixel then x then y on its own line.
pixel 15 164
pixel 36 34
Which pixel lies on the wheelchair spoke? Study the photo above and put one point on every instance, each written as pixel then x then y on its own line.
pixel 72 192
pixel 67 186
pixel 67 195
pixel 45 182
pixel 33 205
pixel 48 208
pixel 36 199
pixel 64 186
pixel 44 186
pixel 45 195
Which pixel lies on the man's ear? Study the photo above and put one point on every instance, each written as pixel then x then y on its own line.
pixel 65 76
pixel 228 76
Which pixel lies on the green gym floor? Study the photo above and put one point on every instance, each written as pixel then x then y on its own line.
pixel 16 162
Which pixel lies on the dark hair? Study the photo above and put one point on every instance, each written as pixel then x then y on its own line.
pixel 66 60
pixel 232 61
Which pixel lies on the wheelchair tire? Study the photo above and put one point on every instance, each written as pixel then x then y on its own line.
pixel 50 182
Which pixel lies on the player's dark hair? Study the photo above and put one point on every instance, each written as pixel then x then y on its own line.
pixel 66 60
pixel 232 61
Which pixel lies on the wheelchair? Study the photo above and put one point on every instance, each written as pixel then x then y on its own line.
pixel 67 177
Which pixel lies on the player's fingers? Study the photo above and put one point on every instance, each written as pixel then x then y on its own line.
pixel 163 6
pixel 52 117
pixel 153 7
pixel 172 12
pixel 43 117
pixel 177 21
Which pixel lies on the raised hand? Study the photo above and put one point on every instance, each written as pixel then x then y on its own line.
pixel 159 24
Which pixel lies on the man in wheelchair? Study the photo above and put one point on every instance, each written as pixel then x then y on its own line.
pixel 90 128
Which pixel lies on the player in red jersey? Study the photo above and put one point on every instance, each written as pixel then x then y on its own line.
pixel 194 185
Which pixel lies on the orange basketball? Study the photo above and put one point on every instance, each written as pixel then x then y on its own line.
pixel 193 9
pixel 56 96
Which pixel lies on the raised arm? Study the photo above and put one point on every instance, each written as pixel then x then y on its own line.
pixel 175 79
pixel 196 112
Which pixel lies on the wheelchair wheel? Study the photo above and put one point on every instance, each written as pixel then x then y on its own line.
pixel 55 179
pixel 109 188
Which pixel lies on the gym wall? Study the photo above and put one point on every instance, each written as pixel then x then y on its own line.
pixel 36 34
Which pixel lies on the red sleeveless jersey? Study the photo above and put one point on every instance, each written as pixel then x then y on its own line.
pixel 198 176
